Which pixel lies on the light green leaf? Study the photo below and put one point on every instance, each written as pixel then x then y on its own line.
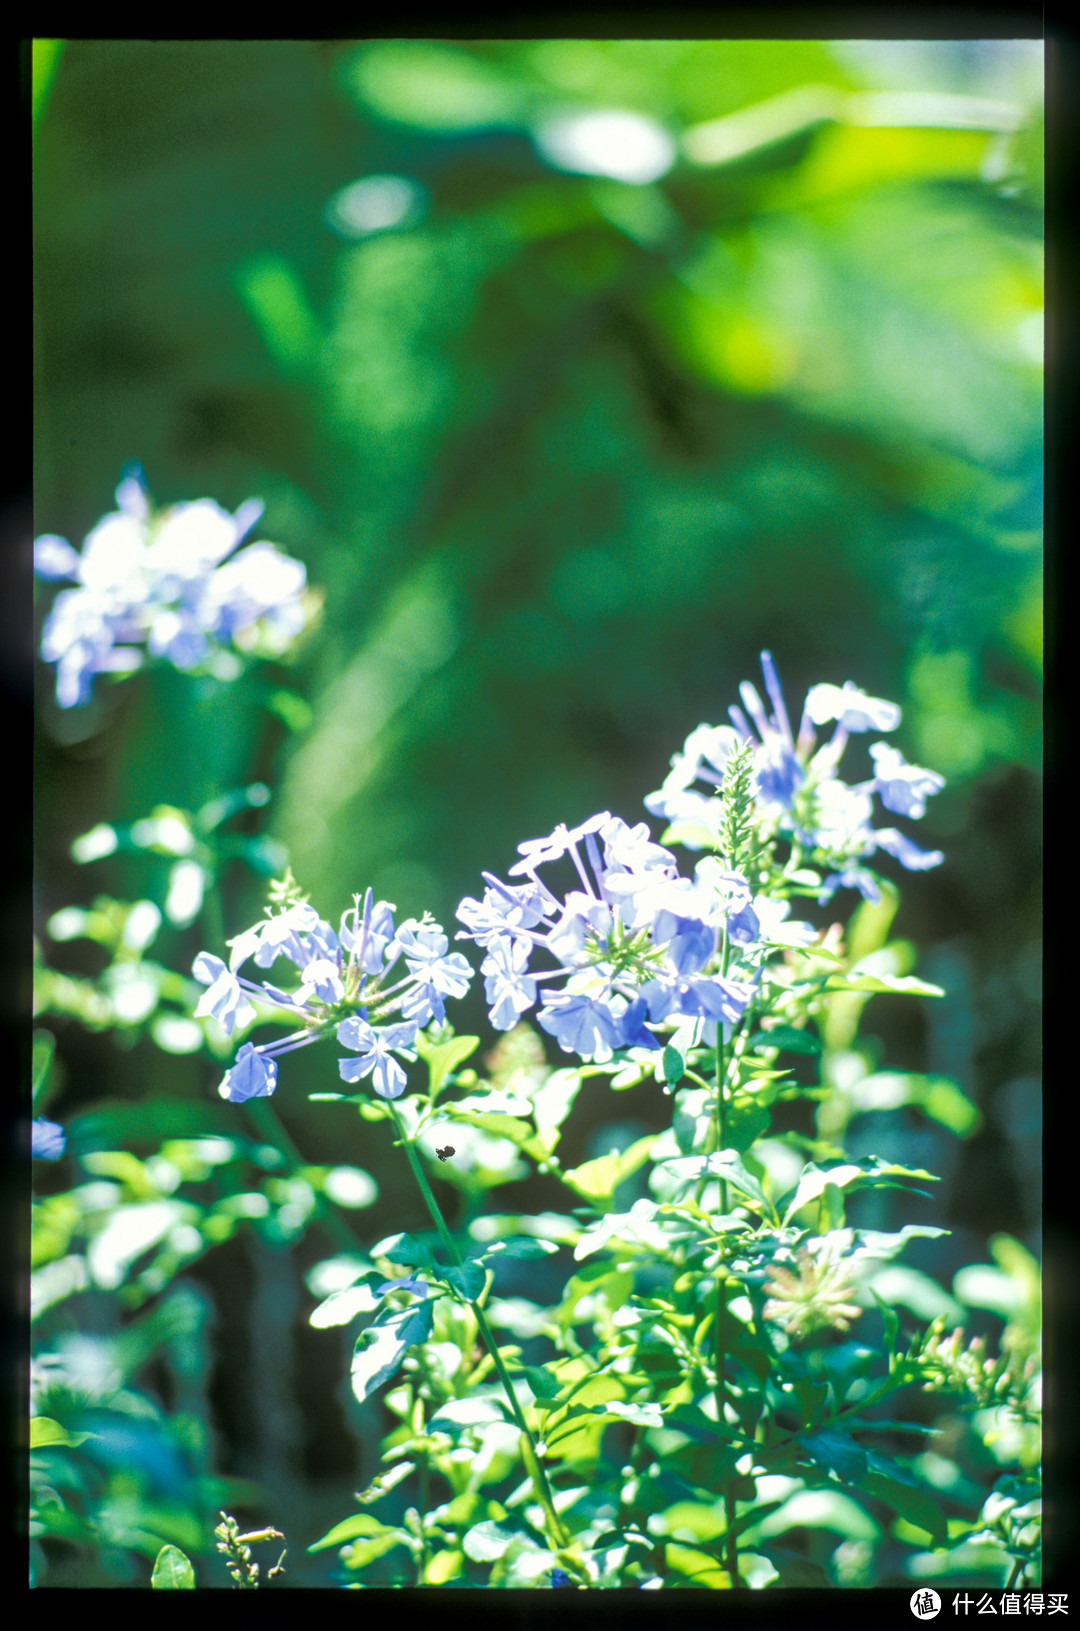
pixel 642 1415
pixel 725 1164
pixel 903 983
pixel 343 1306
pixel 512 1127
pixel 444 1056
pixel 479 1410
pixel 697 1567
pixel 518 1246
pixel 937 1096
pixel 172 1570
pixel 361 1526
pixel 46 1433
pixel 598 1179
pixel 895 1283
pixel 486 1541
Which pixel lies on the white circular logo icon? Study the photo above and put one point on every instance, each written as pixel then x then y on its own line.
pixel 925 1603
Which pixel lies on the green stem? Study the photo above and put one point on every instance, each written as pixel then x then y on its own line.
pixel 556 1533
pixel 720 1323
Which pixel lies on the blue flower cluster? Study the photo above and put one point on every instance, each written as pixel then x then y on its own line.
pixel 631 947
pixel 799 794
pixel 343 988
pixel 170 584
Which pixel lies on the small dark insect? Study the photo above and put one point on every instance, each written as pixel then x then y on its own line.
pixel 444 1155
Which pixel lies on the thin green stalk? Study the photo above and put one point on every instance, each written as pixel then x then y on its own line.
pixel 556 1532
pixel 720 1322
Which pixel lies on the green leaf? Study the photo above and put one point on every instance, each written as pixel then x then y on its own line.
pixel 846 1174
pixel 42 1054
pixel 381 1348
pixel 886 1482
pixel 936 1096
pixel 544 1386
pixel 836 1451
pixel 831 1209
pixel 467 1281
pixel 691 833
pixel 787 1038
pixel 725 1164
pixel 641 1415
pixel 597 1180
pixel 697 1567
pixel 744 1123
pixel 172 1571
pixel 342 1306
pixel 490 1121
pixel 46 1433
pixel 903 983
pixel 360 1526
pixel 674 1065
pixel 478 1410
pixel 486 1541
pixel 293 710
pixel 444 1056
pixel 408 1249
pixel 517 1246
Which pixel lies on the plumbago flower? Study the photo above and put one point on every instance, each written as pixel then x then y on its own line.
pixel 345 987
pixel 171 584
pixel 799 795
pixel 636 946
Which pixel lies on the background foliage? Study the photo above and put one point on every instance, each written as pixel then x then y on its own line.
pixel 566 443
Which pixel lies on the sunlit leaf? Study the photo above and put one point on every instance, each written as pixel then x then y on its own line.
pixel 172 1570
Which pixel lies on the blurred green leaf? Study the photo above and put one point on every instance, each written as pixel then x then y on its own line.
pixel 172 1571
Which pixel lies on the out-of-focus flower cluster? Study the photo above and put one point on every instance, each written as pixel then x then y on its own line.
pixel 799 794
pixel 345 987
pixel 171 585
pixel 816 1294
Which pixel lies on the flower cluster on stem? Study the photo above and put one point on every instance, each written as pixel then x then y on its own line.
pixel 171 584
pixel 799 793
pixel 347 986
pixel 633 948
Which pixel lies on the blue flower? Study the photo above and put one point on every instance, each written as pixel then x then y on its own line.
pixel 851 708
pixel 376 1050
pixel 797 786
pixel 47 1139
pixel 901 787
pixel 343 988
pixel 254 1076
pixel 634 926
pixel 907 853
pixel 580 1024
pixel 225 1001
